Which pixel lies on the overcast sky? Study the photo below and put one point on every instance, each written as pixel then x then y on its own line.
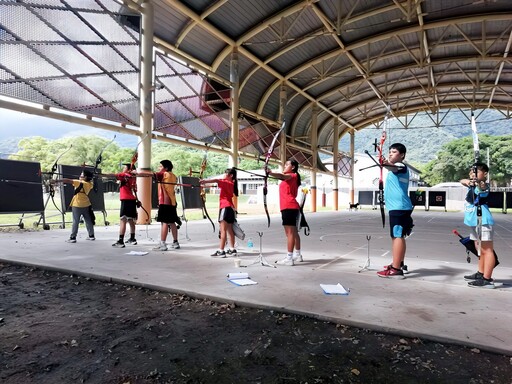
pixel 15 125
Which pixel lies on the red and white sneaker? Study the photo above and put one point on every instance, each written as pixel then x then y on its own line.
pixel 391 273
pixel 402 267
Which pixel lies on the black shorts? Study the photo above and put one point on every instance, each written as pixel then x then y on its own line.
pixel 400 223
pixel 290 216
pixel 227 214
pixel 167 214
pixel 128 210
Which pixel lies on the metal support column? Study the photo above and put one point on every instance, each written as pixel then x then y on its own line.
pixel 314 154
pixel 235 106
pixel 352 165
pixel 146 112
pixel 335 155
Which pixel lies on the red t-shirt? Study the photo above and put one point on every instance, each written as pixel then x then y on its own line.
pixel 128 185
pixel 288 192
pixel 227 190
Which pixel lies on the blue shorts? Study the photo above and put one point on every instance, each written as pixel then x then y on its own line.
pixel 400 223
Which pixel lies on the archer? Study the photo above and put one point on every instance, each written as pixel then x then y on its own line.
pixel 167 205
pixel 399 206
pixel 128 212
pixel 477 199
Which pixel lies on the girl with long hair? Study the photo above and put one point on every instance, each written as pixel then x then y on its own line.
pixel 290 209
pixel 227 214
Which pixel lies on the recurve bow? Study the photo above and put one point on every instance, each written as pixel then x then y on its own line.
pixel 204 163
pixel 134 159
pixel 52 173
pixel 476 152
pixel 97 163
pixel 270 150
pixel 380 150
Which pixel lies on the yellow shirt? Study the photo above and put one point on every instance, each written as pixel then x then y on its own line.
pixel 166 193
pixel 81 199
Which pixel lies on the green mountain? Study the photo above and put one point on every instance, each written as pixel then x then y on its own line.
pixel 423 139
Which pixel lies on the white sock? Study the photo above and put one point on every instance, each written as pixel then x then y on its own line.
pixel 297 252
pixel 290 255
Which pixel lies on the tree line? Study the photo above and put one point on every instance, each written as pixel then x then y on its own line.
pixel 82 150
pixel 454 160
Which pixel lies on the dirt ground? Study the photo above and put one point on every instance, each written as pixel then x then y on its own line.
pixel 61 328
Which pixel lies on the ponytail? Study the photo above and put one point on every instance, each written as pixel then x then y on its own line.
pixel 232 172
pixel 295 169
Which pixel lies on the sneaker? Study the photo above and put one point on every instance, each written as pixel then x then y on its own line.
pixel 131 242
pixel 118 244
pixel 92 238
pixel 231 252
pixel 286 261
pixel 175 245
pixel 391 273
pixel 71 240
pixel 482 283
pixel 218 254
pixel 161 247
pixel 403 267
pixel 474 276
pixel 298 258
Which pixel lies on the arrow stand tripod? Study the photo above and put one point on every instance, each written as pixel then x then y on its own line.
pixel 261 259
pixel 366 266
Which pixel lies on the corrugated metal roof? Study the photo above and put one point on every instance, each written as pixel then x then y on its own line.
pixel 352 58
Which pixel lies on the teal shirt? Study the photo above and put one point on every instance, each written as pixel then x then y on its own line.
pixel 470 214
pixel 396 190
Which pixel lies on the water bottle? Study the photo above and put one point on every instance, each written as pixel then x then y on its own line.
pixel 250 245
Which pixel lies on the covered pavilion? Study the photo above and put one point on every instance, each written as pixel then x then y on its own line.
pixel 225 75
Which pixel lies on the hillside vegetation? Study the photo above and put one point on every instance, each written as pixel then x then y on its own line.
pixel 423 139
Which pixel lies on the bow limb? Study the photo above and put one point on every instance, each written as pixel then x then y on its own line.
pixel 203 200
pixel 265 191
pixel 267 159
pixel 51 174
pixel 381 178
pixel 97 163
pixel 99 158
pixel 202 193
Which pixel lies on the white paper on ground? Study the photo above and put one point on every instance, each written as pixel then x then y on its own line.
pixel 240 278
pixel 238 275
pixel 242 281
pixel 332 289
pixel 137 253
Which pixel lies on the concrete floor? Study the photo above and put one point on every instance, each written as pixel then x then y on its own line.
pixel 433 302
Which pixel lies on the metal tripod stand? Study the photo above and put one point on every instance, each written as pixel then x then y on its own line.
pixel 366 266
pixel 261 259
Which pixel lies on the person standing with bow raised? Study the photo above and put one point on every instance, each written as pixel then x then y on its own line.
pixel 477 196
pixel 227 215
pixel 81 204
pixel 290 209
pixel 399 206
pixel 128 212
pixel 167 206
